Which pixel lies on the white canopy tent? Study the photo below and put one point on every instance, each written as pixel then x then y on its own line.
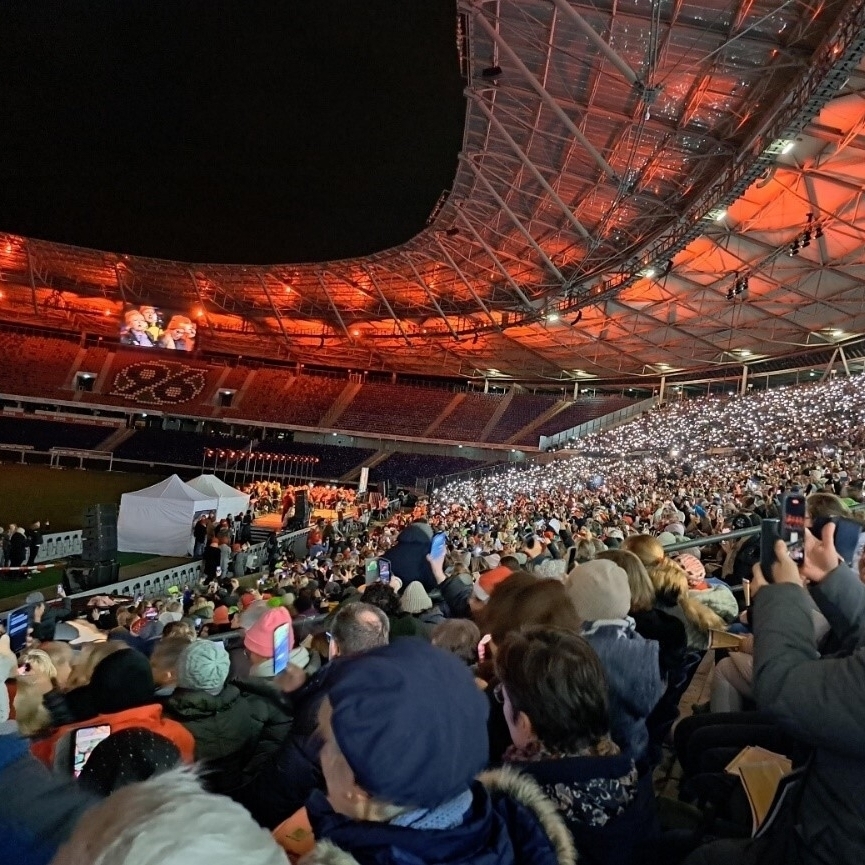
pixel 231 500
pixel 159 519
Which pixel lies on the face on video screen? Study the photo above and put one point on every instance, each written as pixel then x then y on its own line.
pixel 153 327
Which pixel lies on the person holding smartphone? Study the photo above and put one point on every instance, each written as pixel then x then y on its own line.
pixel 820 701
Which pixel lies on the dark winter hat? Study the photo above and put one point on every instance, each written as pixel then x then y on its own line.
pixel 122 681
pixel 127 757
pixel 411 722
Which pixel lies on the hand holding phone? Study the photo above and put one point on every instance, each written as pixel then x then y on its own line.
pixel 384 571
pixel 438 547
pixel 281 647
pixel 769 534
pixel 85 741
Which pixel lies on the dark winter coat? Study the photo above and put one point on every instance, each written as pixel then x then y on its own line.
pixel 234 733
pixel 19 547
pixel 510 822
pixel 609 810
pixel 408 556
pixel 670 635
pixel 822 703
pixel 285 782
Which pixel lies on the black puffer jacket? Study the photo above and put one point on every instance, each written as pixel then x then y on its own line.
pixel 234 732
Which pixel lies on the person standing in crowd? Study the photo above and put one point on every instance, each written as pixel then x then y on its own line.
pixel 211 559
pixel 284 783
pixel 18 547
pixel 199 537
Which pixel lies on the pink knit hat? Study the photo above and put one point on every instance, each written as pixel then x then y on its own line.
pixel 259 638
pixel 693 567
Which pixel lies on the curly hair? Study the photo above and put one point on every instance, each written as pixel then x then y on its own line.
pixel 383 596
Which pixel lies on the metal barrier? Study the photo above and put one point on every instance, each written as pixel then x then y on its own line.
pixel 597 425
pixel 60 545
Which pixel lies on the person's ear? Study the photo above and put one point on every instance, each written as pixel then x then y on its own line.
pixel 525 728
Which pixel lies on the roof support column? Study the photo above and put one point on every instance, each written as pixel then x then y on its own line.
pixel 545 96
pixel 515 219
pixel 481 103
pixel 201 301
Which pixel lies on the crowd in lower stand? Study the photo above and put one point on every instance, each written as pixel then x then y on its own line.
pixel 493 677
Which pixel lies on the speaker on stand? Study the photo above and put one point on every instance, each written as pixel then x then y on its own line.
pixel 300 520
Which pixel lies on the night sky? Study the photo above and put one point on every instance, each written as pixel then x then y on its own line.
pixel 250 131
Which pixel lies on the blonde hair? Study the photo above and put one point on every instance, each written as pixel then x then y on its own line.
pixel 647 549
pixel 91 655
pixel 40 662
pixel 30 712
pixel 671 584
pixel 640 583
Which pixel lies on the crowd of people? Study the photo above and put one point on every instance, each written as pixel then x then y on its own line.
pixel 491 679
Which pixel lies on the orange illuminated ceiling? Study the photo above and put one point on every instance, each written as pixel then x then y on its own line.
pixel 624 163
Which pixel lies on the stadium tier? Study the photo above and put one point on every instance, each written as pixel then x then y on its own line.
pixel 395 409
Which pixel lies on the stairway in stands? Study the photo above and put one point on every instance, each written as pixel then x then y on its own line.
pixel 117 437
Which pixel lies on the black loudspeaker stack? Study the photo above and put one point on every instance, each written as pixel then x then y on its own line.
pixel 99 535
pixel 300 520
pixel 81 576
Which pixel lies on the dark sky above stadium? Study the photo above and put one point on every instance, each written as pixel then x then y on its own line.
pixel 253 131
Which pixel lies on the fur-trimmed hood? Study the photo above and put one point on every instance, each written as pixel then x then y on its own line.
pixel 500 784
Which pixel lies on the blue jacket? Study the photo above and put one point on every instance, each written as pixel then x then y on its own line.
pixel 634 679
pixel 510 822
pixel 38 809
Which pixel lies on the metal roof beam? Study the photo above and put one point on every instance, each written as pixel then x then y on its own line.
pixel 601 44
pixel 545 96
pixel 515 219
pixel 279 321
pixel 431 296
pixel 384 300
pixel 581 230
pixel 495 259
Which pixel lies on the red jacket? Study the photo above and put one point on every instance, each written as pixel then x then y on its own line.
pixel 150 717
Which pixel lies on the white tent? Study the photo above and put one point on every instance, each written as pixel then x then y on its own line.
pixel 231 500
pixel 159 519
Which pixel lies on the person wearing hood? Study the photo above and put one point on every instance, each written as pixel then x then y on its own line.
pixel 601 596
pixel 408 557
pixel 234 731
pixel 417 798
pixel 556 707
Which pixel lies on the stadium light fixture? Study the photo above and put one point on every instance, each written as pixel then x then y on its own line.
pixel 787 147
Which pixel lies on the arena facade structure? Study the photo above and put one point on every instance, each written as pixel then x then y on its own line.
pixel 644 191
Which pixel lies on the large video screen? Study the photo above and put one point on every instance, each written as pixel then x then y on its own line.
pixel 153 327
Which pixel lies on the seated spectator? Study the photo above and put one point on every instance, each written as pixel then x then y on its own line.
pixel 163 664
pixel 715 594
pixel 462 599
pixel 671 591
pixel 258 641
pixel 389 804
pixel 601 596
pixel 234 731
pixel 555 703
pixel 285 782
pixel 417 603
pixel 817 700
pixel 167 820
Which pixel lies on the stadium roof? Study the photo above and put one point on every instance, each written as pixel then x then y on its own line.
pixel 626 167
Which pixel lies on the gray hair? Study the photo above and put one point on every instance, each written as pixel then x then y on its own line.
pixel 202 828
pixel 358 627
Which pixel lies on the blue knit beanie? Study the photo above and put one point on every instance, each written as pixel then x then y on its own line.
pixel 411 723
